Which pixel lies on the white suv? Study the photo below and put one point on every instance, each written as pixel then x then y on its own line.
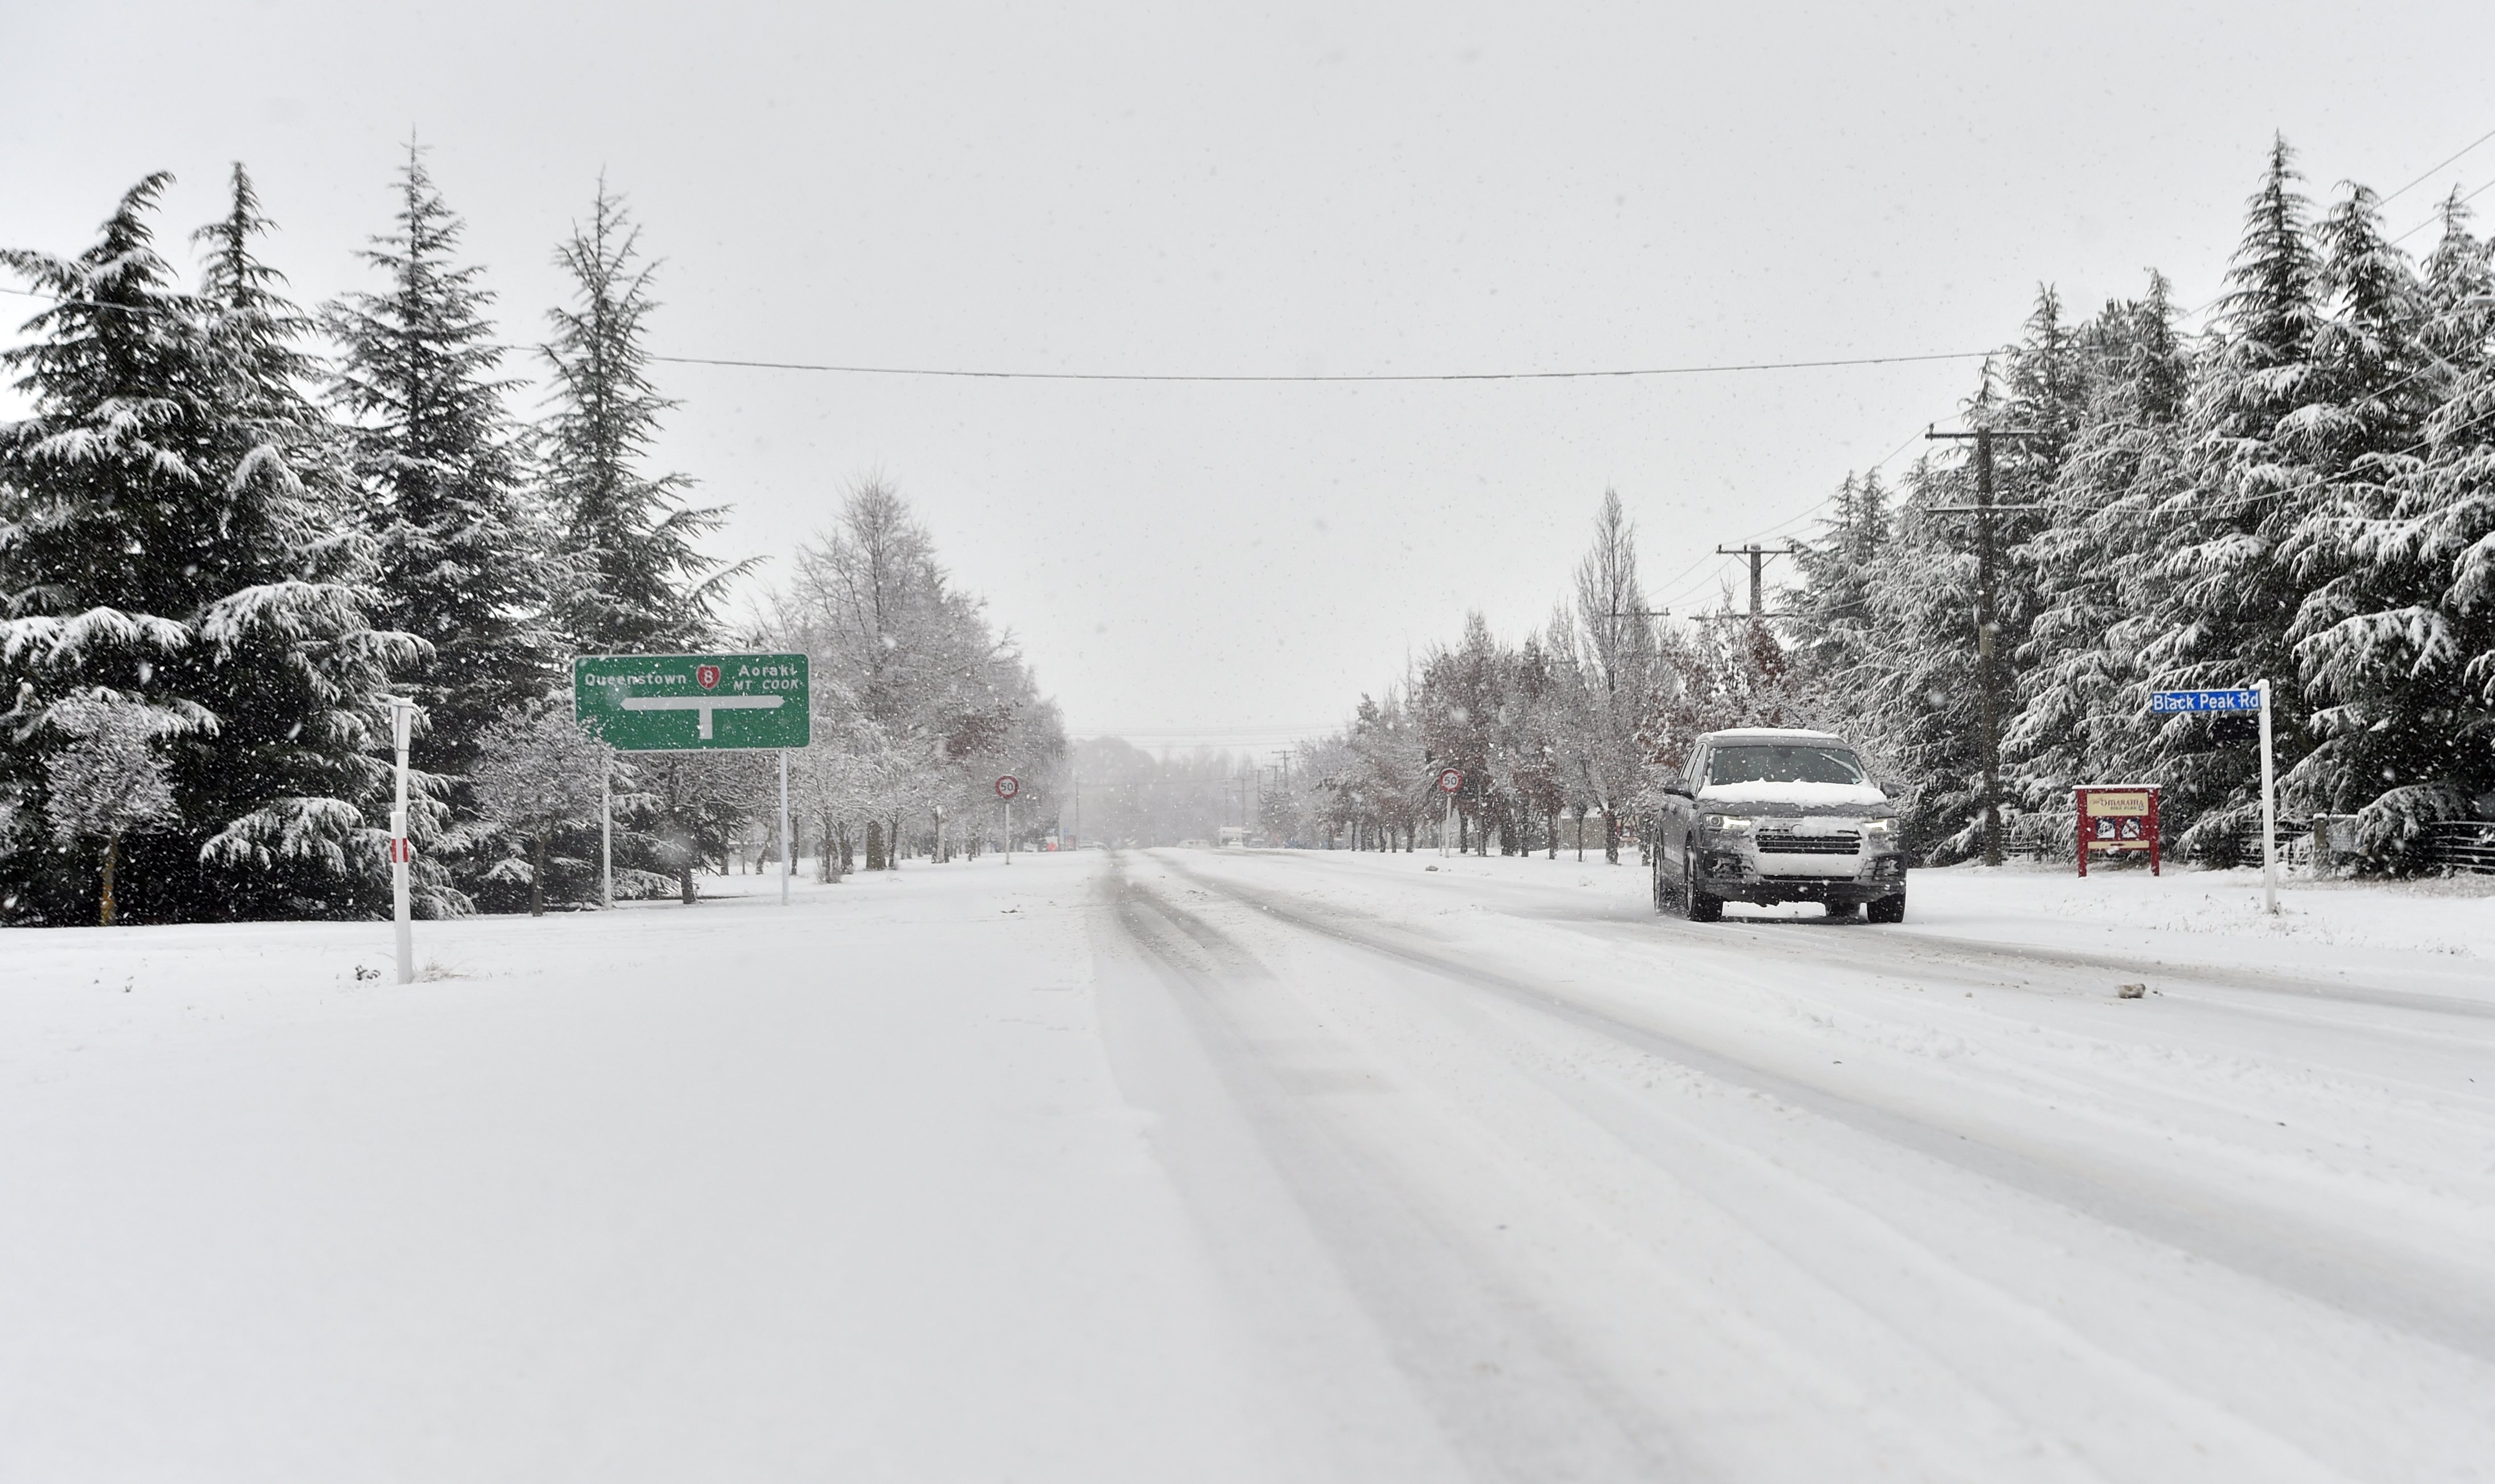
pixel 1769 814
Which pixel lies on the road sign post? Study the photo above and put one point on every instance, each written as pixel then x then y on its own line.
pixel 1006 788
pixel 1450 780
pixel 694 704
pixel 2270 815
pixel 2251 697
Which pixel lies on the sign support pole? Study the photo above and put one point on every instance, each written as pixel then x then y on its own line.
pixel 2269 811
pixel 402 721
pixel 1010 832
pixel 788 846
pixel 606 835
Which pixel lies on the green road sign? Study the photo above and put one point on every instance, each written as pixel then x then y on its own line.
pixel 692 704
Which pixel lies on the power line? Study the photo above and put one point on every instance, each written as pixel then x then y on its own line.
pixel 1351 377
pixel 1214 377
pixel 2438 216
pixel 2429 172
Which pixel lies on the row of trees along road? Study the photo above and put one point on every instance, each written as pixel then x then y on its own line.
pixel 920 705
pixel 230 527
pixel 1561 735
pixel 2302 490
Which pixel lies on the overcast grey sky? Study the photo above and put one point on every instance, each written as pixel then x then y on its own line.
pixel 1256 190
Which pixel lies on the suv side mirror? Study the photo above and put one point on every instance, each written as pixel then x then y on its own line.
pixel 1678 792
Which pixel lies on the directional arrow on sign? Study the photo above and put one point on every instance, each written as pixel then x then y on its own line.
pixel 704 704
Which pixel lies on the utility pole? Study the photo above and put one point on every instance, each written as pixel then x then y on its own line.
pixel 1987 662
pixel 1758 556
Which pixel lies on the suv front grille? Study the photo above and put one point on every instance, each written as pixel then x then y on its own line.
pixel 1786 843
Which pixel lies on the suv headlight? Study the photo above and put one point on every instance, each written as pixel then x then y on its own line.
pixel 1729 825
pixel 1880 829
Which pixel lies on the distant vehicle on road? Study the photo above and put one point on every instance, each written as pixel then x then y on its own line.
pixel 1771 813
pixel 1234 836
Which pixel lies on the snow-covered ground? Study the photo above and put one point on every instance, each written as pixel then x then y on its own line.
pixel 1225 1165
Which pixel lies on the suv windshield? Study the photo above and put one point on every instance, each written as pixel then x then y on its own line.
pixel 1783 763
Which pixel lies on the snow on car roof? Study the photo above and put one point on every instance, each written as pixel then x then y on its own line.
pixel 1766 733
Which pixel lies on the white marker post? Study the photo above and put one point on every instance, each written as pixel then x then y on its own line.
pixel 788 846
pixel 2269 812
pixel 607 834
pixel 402 724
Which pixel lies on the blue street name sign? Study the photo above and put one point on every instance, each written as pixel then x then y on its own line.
pixel 2167 702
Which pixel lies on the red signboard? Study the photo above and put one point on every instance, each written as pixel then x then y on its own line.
pixel 1450 779
pixel 2115 819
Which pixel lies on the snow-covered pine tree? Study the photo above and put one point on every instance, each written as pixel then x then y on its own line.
pixel 2045 379
pixel 1908 697
pixel 2223 601
pixel 463 546
pixel 303 676
pixel 1829 610
pixel 2396 641
pixel 643 585
pixel 168 536
pixel 2082 714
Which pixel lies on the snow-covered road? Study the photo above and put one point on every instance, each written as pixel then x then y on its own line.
pixel 1226 1165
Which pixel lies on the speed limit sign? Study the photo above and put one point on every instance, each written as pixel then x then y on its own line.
pixel 1007 787
pixel 1450 779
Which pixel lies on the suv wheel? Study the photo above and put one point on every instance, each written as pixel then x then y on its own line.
pixel 1696 905
pixel 1889 908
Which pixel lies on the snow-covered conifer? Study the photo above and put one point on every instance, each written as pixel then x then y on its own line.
pixel 462 548
pixel 2221 600
pixel 641 583
pixel 168 535
pixel 2395 641
pixel 2081 711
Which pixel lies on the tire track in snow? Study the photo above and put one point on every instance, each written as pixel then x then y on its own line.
pixel 1971 961
pixel 1541 1410
pixel 2403 1294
